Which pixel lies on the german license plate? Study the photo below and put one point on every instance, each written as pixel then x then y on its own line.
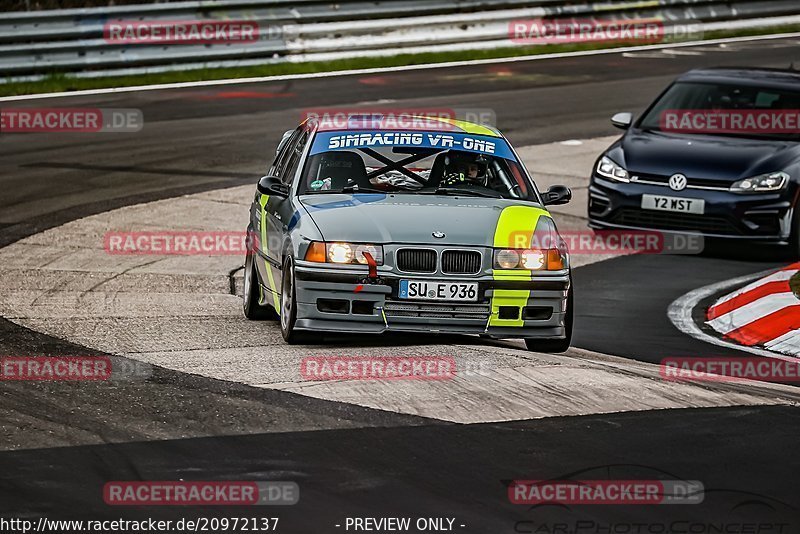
pixel 677 204
pixel 430 290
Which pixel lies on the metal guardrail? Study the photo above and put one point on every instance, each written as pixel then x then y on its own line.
pixel 73 23
pixel 35 44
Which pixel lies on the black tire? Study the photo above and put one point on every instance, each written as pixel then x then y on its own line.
pixel 288 312
pixel 252 292
pixel 555 346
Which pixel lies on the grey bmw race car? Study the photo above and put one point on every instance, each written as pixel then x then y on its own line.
pixel 434 226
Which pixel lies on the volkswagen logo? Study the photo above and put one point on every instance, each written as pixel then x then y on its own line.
pixel 438 235
pixel 677 182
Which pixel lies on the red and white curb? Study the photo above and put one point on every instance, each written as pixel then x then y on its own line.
pixel 764 313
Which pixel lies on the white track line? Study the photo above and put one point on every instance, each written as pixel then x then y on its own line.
pixel 538 57
pixel 680 314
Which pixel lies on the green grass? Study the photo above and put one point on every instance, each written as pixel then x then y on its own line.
pixel 62 82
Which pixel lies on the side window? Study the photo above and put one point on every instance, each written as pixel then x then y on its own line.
pixel 283 156
pixel 293 159
pixel 521 191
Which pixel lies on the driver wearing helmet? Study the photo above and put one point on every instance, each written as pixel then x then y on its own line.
pixel 464 168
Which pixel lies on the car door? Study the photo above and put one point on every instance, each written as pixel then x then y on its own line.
pixel 280 211
pixel 269 228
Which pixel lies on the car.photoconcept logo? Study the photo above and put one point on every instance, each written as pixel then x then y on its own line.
pixel 677 182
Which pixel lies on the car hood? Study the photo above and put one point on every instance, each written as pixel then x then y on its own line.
pixel 381 218
pixel 705 157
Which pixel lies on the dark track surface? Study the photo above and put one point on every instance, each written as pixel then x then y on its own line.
pixel 631 295
pixel 206 138
pixel 448 471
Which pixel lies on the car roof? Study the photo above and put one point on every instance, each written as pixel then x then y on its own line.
pixel 751 76
pixel 378 122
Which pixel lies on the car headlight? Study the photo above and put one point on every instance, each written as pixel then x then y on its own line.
pixel 343 253
pixel 607 168
pixel 760 184
pixel 340 253
pixel 506 259
pixel 531 259
pixel 544 250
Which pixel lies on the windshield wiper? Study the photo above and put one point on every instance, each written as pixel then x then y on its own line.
pixel 355 188
pixel 457 191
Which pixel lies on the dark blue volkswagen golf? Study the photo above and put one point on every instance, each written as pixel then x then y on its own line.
pixel 718 153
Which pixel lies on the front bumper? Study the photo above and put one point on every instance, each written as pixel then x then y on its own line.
pixel 337 299
pixel 762 217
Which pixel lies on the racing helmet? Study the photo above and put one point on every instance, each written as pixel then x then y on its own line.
pixel 465 167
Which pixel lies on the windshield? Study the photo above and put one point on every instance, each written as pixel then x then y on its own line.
pixel 414 163
pixel 728 110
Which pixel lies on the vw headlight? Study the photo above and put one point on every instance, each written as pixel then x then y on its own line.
pixel 607 168
pixel 762 184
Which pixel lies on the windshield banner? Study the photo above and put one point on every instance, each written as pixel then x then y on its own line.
pixel 479 144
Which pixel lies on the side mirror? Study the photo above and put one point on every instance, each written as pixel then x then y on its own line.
pixel 622 121
pixel 272 185
pixel 286 135
pixel 557 195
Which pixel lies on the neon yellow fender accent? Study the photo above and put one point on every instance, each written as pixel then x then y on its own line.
pixel 468 127
pixel 515 229
pixel 267 266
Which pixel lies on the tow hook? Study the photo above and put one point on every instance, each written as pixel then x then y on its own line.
pixel 372 278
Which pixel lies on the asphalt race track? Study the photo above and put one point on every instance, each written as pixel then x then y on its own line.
pixel 61 442
pixel 450 471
